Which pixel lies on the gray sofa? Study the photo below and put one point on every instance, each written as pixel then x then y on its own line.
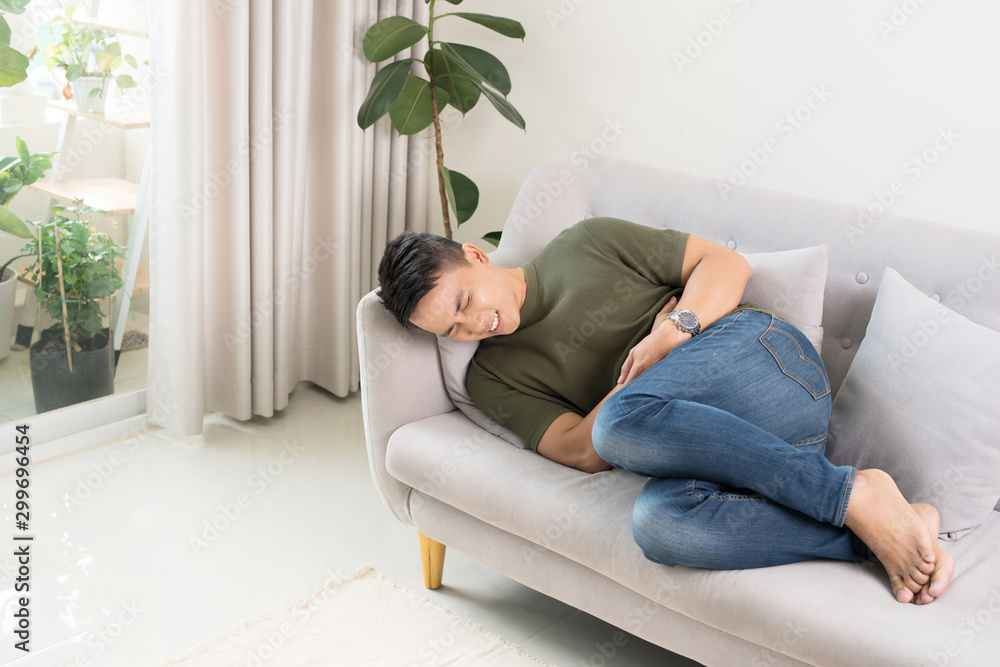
pixel 567 533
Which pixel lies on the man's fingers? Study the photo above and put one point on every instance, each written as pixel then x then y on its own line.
pixel 669 305
pixel 626 367
pixel 634 372
pixel 636 367
pixel 667 308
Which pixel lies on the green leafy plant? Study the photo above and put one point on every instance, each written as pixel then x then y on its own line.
pixel 83 51
pixel 15 173
pixel 13 63
pixel 85 258
pixel 457 74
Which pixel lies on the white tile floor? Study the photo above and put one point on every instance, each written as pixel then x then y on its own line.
pixel 127 568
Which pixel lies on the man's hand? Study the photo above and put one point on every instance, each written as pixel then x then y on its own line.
pixel 657 344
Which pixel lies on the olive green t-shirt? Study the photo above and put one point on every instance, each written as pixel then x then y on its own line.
pixel 592 294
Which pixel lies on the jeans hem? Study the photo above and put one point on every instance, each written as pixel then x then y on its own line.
pixel 860 549
pixel 846 497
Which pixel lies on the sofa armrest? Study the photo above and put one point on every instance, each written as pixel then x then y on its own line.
pixel 401 382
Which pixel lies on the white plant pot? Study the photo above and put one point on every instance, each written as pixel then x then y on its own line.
pixel 8 289
pixel 82 88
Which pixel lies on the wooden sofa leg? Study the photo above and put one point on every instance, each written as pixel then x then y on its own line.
pixel 432 556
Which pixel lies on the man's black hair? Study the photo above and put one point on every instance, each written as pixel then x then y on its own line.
pixel 410 268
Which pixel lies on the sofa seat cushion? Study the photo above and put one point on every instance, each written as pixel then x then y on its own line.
pixel 820 612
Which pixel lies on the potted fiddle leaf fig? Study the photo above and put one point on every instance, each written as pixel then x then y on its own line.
pixel 90 58
pixel 456 74
pixel 15 173
pixel 75 271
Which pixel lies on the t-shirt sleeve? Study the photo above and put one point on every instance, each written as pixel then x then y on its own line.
pixel 526 415
pixel 655 254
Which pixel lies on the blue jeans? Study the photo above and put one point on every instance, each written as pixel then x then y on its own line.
pixel 731 427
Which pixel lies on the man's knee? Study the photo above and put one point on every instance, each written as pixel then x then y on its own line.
pixel 627 417
pixel 659 528
pixel 607 432
pixel 656 539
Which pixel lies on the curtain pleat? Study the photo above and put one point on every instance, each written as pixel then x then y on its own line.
pixel 293 69
pixel 270 208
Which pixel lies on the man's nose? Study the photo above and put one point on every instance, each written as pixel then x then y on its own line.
pixel 476 323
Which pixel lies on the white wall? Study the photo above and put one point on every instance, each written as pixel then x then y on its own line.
pixel 892 83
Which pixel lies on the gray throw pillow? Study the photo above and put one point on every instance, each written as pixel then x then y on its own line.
pixel 789 283
pixel 455 359
pixel 920 402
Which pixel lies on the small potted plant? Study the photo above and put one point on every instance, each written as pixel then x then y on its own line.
pixel 90 59
pixel 73 361
pixel 15 173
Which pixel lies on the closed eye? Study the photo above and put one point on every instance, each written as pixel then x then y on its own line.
pixel 454 328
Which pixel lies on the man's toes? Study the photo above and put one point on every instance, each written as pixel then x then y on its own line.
pixel 919 577
pixel 925 568
pixel 941 577
pixel 928 554
pixel 923 596
pixel 913 585
pixel 902 592
pixel 938 587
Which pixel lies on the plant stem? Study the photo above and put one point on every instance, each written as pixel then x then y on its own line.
pixel 62 293
pixel 440 16
pixel 437 127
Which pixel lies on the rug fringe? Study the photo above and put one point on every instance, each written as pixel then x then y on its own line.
pixel 329 586
pixel 248 624
pixel 424 601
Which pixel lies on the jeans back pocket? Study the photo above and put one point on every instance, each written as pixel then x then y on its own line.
pixel 796 356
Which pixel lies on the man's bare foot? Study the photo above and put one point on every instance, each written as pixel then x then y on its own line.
pixel 944 564
pixel 879 514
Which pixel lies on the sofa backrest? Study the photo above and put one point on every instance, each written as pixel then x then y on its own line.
pixel 959 267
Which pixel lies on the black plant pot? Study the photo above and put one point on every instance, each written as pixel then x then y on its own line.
pixel 93 373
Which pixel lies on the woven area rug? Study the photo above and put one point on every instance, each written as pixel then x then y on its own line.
pixel 134 340
pixel 358 619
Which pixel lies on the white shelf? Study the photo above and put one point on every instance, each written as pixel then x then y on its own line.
pixel 114 196
pixel 120 29
pixel 136 118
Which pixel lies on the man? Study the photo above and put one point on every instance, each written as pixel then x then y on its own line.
pixel 626 345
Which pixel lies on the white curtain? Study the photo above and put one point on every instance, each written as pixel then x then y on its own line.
pixel 270 208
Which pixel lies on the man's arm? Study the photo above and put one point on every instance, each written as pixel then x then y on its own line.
pixel 714 278
pixel 567 440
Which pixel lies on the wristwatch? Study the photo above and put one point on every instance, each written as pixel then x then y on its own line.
pixel 685 321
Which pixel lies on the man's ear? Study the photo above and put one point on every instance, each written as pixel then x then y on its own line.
pixel 474 253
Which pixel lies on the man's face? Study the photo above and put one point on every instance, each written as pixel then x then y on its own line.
pixel 469 301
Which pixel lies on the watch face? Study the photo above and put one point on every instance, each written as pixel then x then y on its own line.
pixel 687 319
